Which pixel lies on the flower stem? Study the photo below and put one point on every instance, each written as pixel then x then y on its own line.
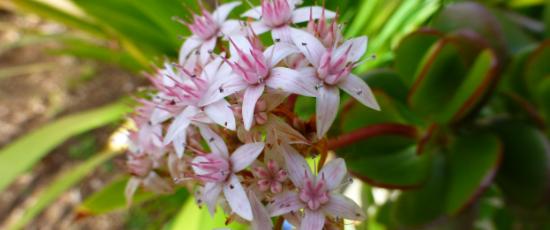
pixel 372 131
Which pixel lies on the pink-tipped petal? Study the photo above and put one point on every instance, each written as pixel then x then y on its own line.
pixel 343 207
pixel 358 89
pixel 291 81
pixel 221 113
pixel 245 155
pixel 261 217
pixel 284 203
pixel 215 142
pixel 239 43
pixel 303 14
pixel 223 87
pixel 310 46
pixel 333 173
pixel 236 198
pixel 279 51
pixel 221 13
pixel 255 13
pixel 160 115
pixel 327 104
pixel 178 126
pixel 296 165
pixel 357 50
pixel 210 195
pixel 313 220
pixel 190 45
pixel 210 70
pixel 251 96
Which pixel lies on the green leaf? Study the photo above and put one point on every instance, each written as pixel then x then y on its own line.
pixel 410 51
pixel 111 198
pixel 387 81
pixel 63 182
pixel 416 207
pixel 24 152
pixel 473 161
pixel 192 218
pixel 524 176
pixel 537 68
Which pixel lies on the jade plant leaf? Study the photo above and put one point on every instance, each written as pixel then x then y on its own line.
pixel 410 51
pixel 537 69
pixel 473 162
pixel 524 177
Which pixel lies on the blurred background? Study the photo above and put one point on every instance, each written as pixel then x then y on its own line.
pixel 462 141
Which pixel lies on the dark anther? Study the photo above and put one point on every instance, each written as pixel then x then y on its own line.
pixel 304 44
pixel 231 186
pixel 221 89
pixel 277 39
pixel 211 139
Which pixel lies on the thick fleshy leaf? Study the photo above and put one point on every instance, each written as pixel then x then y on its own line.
pixel 524 176
pixel 326 109
pixel 245 155
pixel 473 162
pixel 410 50
pixel 251 96
pixel 292 81
pixel 313 220
pixel 236 198
pixel 538 70
pixel 284 203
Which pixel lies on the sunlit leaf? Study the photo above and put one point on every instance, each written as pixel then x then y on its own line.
pixel 192 218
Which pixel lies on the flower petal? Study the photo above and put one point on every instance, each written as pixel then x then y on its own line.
pixel 223 87
pixel 232 28
pixel 313 220
pixel 261 217
pixel 189 46
pixel 221 13
pixel 283 131
pixel 160 115
pixel 284 203
pixel 178 126
pixel 343 207
pixel 245 155
pixel 326 108
pixel 309 45
pixel 292 81
pixel 210 70
pixel 279 51
pixel 236 198
pixel 259 27
pixel 255 13
pixel 215 142
pixel 130 190
pixel 251 96
pixel 206 50
pixel 334 172
pixel 281 34
pixel 358 89
pixel 221 113
pixel 357 48
pixel 296 165
pixel 303 14
pixel 210 195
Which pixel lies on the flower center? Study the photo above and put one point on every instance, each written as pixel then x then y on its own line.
pixel 276 13
pixel 314 195
pixel 211 168
pixel 271 178
pixel 334 67
pixel 204 26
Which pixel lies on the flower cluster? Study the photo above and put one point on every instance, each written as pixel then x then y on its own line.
pixel 220 121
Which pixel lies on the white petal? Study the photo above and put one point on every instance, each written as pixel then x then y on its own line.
pixel 259 27
pixel 357 50
pixel 160 115
pixel 206 49
pixel 245 155
pixel 284 203
pixel 215 142
pixel 296 165
pixel 240 42
pixel 130 190
pixel 223 87
pixel 343 207
pixel 221 113
pixel 313 220
pixel 251 96
pixel 178 126
pixel 210 195
pixel 221 13
pixel 281 34
pixel 327 104
pixel 292 81
pixel 303 14
pixel 232 28
pixel 255 13
pixel 261 217
pixel 189 46
pixel 309 45
pixel 358 89
pixel 275 53
pixel 236 198
pixel 179 143
pixel 333 173
pixel 210 70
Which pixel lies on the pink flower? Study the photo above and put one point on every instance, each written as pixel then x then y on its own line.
pixel 332 70
pixel 277 16
pixel 253 70
pixel 270 177
pixel 218 172
pixel 316 195
pixel 206 29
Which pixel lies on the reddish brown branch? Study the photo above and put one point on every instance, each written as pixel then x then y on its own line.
pixel 372 131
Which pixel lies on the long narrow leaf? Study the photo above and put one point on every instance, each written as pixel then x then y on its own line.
pixel 22 154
